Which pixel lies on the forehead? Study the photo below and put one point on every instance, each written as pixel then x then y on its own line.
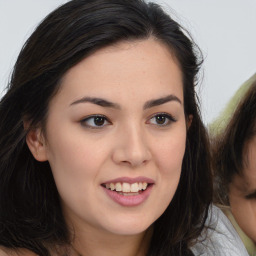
pixel 143 66
pixel 249 170
pixel 247 180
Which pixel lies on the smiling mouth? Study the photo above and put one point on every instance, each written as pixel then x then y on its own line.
pixel 127 189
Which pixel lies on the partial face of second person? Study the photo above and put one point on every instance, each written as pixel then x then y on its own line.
pixel 115 137
pixel 242 192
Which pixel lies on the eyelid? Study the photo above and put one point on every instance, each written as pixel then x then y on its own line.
pixel 87 118
pixel 167 115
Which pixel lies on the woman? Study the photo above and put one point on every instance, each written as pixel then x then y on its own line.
pixel 234 155
pixel 103 151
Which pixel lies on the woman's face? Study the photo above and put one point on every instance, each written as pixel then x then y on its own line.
pixel 242 193
pixel 115 137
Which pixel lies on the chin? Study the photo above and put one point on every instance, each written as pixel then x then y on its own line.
pixel 128 227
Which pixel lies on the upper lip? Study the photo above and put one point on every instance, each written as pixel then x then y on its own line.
pixel 130 180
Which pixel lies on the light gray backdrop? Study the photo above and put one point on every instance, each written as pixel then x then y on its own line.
pixel 224 30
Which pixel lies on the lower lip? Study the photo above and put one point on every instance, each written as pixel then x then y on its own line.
pixel 129 200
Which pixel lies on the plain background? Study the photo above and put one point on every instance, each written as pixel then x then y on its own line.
pixel 223 29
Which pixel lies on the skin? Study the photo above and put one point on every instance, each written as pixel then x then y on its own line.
pixel 242 193
pixel 130 143
pixel 20 252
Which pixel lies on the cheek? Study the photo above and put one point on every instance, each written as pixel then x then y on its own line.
pixel 75 169
pixel 75 163
pixel 244 212
pixel 169 158
pixel 74 153
pixel 169 154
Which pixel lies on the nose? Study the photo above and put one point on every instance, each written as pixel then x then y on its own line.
pixel 131 147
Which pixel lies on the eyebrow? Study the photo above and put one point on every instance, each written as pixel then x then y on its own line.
pixel 98 101
pixel 105 103
pixel 161 101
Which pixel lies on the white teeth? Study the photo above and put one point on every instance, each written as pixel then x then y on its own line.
pixel 112 186
pixel 118 186
pixel 144 185
pixel 126 187
pixel 134 187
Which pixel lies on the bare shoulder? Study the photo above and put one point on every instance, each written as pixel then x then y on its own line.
pixel 20 252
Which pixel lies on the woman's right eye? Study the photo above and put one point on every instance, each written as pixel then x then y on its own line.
pixel 95 122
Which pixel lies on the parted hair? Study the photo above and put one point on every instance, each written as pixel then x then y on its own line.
pixel 229 146
pixel 30 212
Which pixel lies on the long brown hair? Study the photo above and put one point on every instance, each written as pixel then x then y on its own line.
pixel 30 213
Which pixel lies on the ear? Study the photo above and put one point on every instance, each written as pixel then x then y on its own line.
pixel 36 144
pixel 189 121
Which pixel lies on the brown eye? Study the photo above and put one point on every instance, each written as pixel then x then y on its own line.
pixel 99 120
pixel 162 119
pixel 95 122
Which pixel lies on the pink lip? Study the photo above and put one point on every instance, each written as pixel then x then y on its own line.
pixel 129 200
pixel 130 180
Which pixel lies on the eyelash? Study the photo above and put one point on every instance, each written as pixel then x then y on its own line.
pixel 85 121
pixel 167 118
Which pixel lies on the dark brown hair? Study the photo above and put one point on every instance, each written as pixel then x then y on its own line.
pixel 229 146
pixel 30 213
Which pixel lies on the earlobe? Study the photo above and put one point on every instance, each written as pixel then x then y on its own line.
pixel 36 144
pixel 189 121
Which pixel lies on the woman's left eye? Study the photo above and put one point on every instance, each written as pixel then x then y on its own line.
pixel 95 122
pixel 162 119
